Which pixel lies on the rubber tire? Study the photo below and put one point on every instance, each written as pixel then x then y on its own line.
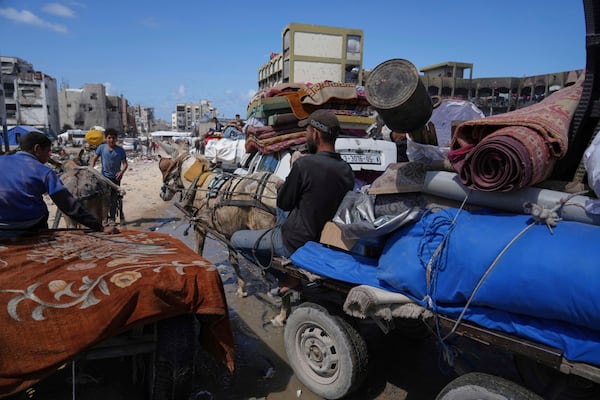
pixel 174 358
pixel 538 377
pixel 480 386
pixel 347 368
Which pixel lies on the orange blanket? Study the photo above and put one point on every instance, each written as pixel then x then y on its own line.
pixel 65 291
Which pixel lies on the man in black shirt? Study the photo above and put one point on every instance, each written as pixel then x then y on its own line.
pixel 312 192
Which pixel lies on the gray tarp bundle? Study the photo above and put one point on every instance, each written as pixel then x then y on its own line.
pixel 358 217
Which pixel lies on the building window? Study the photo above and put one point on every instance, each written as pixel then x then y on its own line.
pixel 93 96
pixel 353 47
pixel 27 92
pixel 286 42
pixel 353 44
pixel 352 72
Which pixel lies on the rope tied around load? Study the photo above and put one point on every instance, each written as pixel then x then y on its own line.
pixel 549 216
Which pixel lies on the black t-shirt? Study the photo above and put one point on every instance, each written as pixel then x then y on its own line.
pixel 312 192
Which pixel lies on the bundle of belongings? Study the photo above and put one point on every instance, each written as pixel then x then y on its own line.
pixel 273 114
pixel 63 292
pixel 481 243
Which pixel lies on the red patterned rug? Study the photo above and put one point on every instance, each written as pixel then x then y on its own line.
pixel 517 149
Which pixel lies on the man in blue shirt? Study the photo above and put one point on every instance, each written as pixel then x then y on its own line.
pixel 24 181
pixel 114 165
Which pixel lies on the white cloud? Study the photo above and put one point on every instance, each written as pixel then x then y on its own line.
pixel 180 93
pixel 29 18
pixel 109 88
pixel 58 9
pixel 150 22
pixel 249 95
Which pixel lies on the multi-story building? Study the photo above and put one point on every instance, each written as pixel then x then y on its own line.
pixel 144 118
pixel 128 121
pixel 315 53
pixel 187 116
pixel 493 95
pixel 29 96
pixel 90 106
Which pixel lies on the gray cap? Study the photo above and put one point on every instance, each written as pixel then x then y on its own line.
pixel 323 120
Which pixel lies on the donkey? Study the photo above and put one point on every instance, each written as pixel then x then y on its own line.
pixel 220 203
pixel 90 187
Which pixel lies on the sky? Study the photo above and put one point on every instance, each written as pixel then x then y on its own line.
pixel 160 53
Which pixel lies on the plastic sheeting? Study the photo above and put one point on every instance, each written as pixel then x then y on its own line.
pixel 591 162
pixel 225 150
pixel 447 185
pixel 452 110
pixel 356 217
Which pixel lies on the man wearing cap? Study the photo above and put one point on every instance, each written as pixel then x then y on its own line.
pixel 311 193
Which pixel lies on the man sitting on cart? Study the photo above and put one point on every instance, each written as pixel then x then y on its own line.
pixel 311 194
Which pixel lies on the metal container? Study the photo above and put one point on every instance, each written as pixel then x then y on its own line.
pixel 394 88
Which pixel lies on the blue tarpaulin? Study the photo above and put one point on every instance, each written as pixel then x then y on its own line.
pixel 18 131
pixel 541 286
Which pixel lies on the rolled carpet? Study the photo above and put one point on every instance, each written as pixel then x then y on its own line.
pixel 517 149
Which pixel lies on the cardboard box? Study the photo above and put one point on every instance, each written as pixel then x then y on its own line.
pixel 332 235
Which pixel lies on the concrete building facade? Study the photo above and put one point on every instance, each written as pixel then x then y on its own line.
pixel 90 106
pixel 144 119
pixel 188 116
pixel 315 53
pixel 494 95
pixel 29 96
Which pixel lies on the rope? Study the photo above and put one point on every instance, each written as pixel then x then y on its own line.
pixel 485 275
pixel 255 248
pixel 539 213
pixel 549 216
pixel 442 245
pixel 227 194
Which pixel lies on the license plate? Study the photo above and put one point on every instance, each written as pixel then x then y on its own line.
pixel 361 158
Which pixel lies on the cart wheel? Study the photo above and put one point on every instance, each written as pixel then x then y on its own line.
pixel 326 353
pixel 479 386
pixel 174 358
pixel 545 380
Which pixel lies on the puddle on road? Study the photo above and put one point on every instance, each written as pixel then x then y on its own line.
pixel 261 367
pixel 397 366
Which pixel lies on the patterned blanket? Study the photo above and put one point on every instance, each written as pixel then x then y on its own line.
pixel 510 151
pixel 65 291
pixel 304 99
pixel 274 144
